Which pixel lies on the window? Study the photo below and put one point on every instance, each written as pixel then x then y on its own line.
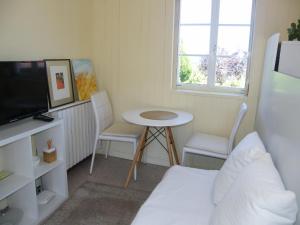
pixel 213 40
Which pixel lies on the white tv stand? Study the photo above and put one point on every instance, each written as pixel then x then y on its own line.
pixel 16 156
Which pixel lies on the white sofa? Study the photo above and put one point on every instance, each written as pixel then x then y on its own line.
pixel 183 197
pixel 247 190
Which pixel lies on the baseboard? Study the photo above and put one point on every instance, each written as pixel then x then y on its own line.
pixel 147 158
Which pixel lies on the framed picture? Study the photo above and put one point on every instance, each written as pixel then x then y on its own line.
pixel 60 82
pixel 85 78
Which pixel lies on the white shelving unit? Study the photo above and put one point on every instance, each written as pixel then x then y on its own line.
pixel 44 168
pixel 12 184
pixel 16 156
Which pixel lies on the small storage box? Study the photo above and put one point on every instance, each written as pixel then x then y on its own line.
pixel 49 155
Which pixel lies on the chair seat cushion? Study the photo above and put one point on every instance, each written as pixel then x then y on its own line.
pixel 208 142
pixel 183 197
pixel 122 129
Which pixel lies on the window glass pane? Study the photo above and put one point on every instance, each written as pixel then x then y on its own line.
pixel 235 11
pixel 194 40
pixel 233 39
pixel 195 11
pixel 193 70
pixel 231 71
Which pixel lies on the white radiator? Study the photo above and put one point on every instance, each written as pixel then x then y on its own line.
pixel 80 128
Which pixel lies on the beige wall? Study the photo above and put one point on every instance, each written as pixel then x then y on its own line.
pixel 133 56
pixel 38 29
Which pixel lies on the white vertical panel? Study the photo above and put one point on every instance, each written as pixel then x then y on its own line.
pixel 86 127
pixel 68 133
pixel 79 132
pixel 83 144
pixel 75 136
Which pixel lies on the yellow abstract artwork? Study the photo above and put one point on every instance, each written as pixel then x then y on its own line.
pixel 85 78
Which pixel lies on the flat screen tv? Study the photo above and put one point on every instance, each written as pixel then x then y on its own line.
pixel 23 90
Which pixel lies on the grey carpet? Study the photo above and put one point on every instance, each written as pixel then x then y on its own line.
pixel 113 171
pixel 99 204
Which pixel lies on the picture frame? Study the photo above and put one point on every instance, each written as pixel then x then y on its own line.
pixel 60 82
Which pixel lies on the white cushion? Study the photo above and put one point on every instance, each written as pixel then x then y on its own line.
pixel 208 142
pixel 183 197
pixel 257 197
pixel 249 149
pixel 122 129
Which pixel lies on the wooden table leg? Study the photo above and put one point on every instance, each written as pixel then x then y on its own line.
pixel 173 146
pixel 142 150
pixel 169 146
pixel 136 156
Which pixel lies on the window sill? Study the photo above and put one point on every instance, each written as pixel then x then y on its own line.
pixel 210 93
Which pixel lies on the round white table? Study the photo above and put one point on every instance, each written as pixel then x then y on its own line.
pixel 160 120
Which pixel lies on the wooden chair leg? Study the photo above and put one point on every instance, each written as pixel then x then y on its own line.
pixel 136 156
pixel 173 146
pixel 169 147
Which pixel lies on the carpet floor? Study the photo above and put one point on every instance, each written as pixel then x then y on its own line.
pixel 99 199
pixel 99 204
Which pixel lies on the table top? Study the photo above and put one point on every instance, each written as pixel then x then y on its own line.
pixel 157 117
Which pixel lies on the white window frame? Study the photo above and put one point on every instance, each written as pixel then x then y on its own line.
pixel 210 86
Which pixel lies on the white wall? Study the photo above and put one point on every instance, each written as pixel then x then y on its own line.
pixel 132 51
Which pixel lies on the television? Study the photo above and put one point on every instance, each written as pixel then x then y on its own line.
pixel 23 90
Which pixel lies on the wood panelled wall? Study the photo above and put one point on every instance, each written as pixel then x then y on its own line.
pixel 133 53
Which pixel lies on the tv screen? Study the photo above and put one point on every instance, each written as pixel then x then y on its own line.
pixel 23 90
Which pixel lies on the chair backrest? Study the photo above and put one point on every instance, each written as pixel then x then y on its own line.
pixel 103 111
pixel 237 122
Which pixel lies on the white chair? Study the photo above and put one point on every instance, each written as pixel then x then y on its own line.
pixel 211 145
pixel 108 131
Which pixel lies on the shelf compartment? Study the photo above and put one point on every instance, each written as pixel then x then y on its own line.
pixel 10 133
pixel 50 207
pixel 54 180
pixel 44 168
pixel 56 135
pixel 12 184
pixel 16 157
